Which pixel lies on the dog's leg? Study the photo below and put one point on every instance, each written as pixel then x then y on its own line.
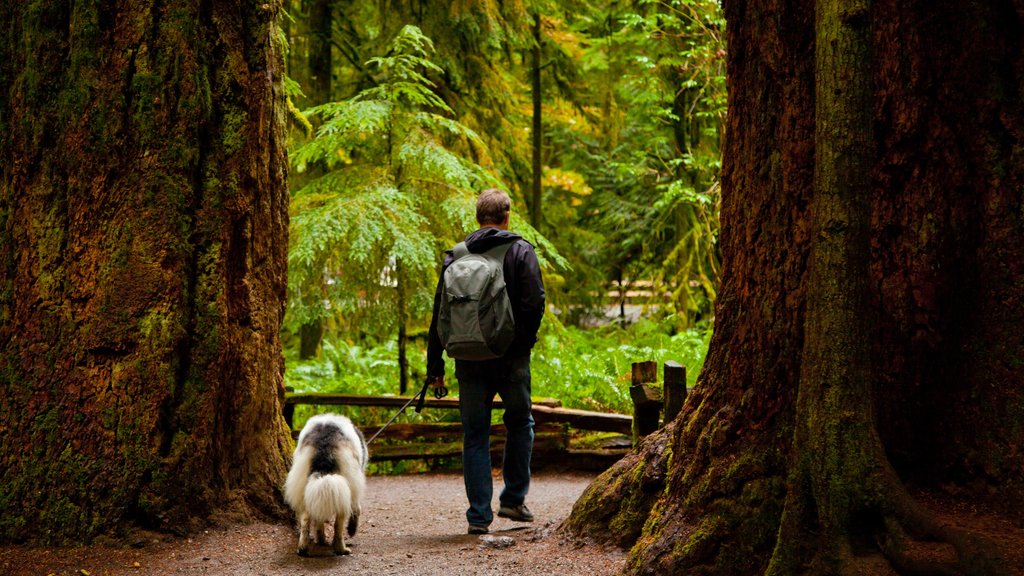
pixel 321 532
pixel 304 529
pixel 353 522
pixel 339 537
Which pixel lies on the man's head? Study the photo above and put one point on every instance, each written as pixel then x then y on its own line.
pixel 492 208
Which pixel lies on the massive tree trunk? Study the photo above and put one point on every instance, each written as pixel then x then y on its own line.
pixel 778 462
pixel 143 238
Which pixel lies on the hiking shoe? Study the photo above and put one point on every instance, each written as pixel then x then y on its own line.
pixel 477 529
pixel 518 513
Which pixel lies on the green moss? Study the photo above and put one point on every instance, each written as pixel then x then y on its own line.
pixel 7 266
pixel 233 134
pixel 147 90
pixel 158 330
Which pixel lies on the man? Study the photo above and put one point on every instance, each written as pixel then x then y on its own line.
pixel 507 376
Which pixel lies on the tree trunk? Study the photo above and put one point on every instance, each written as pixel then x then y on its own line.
pixel 839 466
pixel 787 412
pixel 321 72
pixel 321 67
pixel 538 125
pixel 310 335
pixel 403 337
pixel 143 239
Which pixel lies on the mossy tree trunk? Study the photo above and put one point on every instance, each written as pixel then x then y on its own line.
pixel 143 239
pixel 826 393
pixel 839 471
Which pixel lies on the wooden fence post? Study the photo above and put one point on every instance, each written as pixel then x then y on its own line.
pixel 675 389
pixel 646 400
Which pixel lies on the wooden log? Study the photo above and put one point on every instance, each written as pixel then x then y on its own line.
pixel 444 431
pixel 675 388
pixel 449 430
pixel 543 411
pixel 543 443
pixel 584 420
pixel 328 399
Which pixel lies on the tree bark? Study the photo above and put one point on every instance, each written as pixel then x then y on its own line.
pixel 808 384
pixel 403 336
pixel 321 70
pixel 321 67
pixel 536 195
pixel 144 221
pixel 310 335
pixel 839 467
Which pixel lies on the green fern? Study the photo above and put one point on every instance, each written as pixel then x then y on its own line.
pixel 397 188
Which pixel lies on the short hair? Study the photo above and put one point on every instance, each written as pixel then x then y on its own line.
pixel 492 206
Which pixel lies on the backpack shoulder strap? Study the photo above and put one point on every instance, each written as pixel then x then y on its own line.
pixel 498 252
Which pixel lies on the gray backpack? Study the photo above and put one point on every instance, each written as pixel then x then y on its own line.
pixel 475 321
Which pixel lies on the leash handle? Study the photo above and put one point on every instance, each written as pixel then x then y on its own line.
pixel 420 398
pixel 439 392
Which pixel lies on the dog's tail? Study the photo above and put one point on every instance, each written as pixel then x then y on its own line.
pixel 298 475
pixel 328 496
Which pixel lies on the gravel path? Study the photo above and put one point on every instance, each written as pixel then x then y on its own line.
pixel 411 525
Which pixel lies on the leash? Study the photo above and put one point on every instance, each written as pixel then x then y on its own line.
pixel 420 398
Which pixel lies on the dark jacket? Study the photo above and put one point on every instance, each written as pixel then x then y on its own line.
pixel 523 283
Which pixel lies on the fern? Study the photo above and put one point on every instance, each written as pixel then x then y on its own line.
pixel 397 187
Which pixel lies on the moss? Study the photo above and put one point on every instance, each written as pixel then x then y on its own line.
pixel 615 507
pixel 147 90
pixel 159 330
pixel 233 134
pixel 7 265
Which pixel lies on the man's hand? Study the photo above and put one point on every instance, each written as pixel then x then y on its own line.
pixel 437 383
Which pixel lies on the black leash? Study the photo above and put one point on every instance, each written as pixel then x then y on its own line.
pixel 420 398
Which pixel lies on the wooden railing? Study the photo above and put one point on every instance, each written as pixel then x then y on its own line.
pixel 553 429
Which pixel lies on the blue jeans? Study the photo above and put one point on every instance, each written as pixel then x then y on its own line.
pixel 509 378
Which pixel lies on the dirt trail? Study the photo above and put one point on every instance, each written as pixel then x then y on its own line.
pixel 411 525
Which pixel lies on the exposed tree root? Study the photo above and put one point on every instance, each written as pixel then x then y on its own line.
pixel 976 555
pixel 890 521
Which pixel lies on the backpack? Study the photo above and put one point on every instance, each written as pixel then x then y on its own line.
pixel 475 321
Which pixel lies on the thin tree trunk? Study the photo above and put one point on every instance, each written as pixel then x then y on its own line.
pixel 321 68
pixel 321 25
pixel 403 338
pixel 143 238
pixel 538 125
pixel 310 335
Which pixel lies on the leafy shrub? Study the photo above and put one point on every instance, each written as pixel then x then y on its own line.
pixel 584 368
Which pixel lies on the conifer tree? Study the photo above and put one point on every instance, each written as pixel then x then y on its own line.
pixel 399 189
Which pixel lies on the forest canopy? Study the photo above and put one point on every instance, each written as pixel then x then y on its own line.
pixel 602 119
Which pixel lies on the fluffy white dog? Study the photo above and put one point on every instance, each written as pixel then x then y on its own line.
pixel 327 480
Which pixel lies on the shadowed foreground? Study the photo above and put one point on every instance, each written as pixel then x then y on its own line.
pixel 412 525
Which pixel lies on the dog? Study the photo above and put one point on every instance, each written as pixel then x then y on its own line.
pixel 327 480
